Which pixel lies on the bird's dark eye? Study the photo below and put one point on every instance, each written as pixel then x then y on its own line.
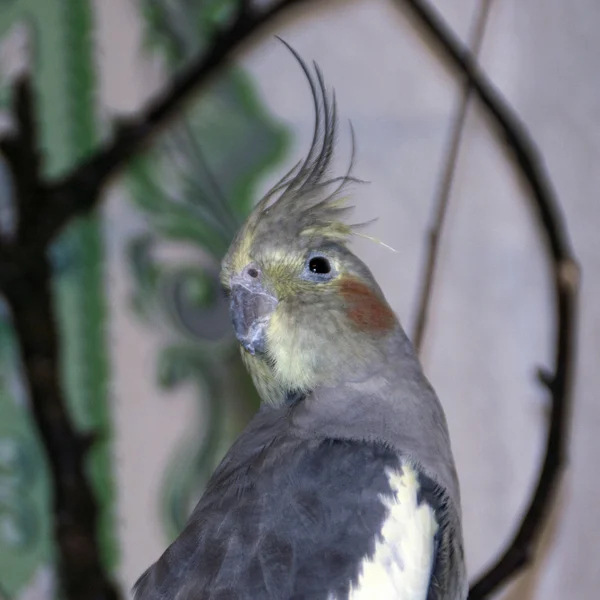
pixel 319 265
pixel 318 268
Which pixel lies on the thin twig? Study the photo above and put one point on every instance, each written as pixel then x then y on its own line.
pixel 444 186
pixel 78 191
pixel 20 149
pixel 522 149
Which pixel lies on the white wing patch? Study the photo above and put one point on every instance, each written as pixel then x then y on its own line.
pixel 400 569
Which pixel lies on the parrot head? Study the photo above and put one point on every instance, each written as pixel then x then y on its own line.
pixel 307 312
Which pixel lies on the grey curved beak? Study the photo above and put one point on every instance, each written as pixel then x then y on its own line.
pixel 251 308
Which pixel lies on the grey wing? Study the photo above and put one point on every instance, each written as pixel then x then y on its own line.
pixel 177 574
pixel 295 523
pixel 305 520
pixel 448 579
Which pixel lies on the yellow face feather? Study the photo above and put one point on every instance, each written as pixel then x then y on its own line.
pixel 320 332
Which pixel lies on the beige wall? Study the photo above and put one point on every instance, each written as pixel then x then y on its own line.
pixel 491 312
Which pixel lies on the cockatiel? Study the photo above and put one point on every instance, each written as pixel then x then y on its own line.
pixel 343 486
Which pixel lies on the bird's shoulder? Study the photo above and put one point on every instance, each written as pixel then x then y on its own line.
pixel 287 518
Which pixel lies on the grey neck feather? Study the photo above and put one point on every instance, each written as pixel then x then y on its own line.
pixel 395 405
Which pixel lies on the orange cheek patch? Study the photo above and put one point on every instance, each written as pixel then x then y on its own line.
pixel 364 308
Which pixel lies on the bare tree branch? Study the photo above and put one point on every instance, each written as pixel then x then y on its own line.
pixel 523 151
pixel 75 507
pixel 444 186
pixel 26 284
pixel 78 191
pixel 20 149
